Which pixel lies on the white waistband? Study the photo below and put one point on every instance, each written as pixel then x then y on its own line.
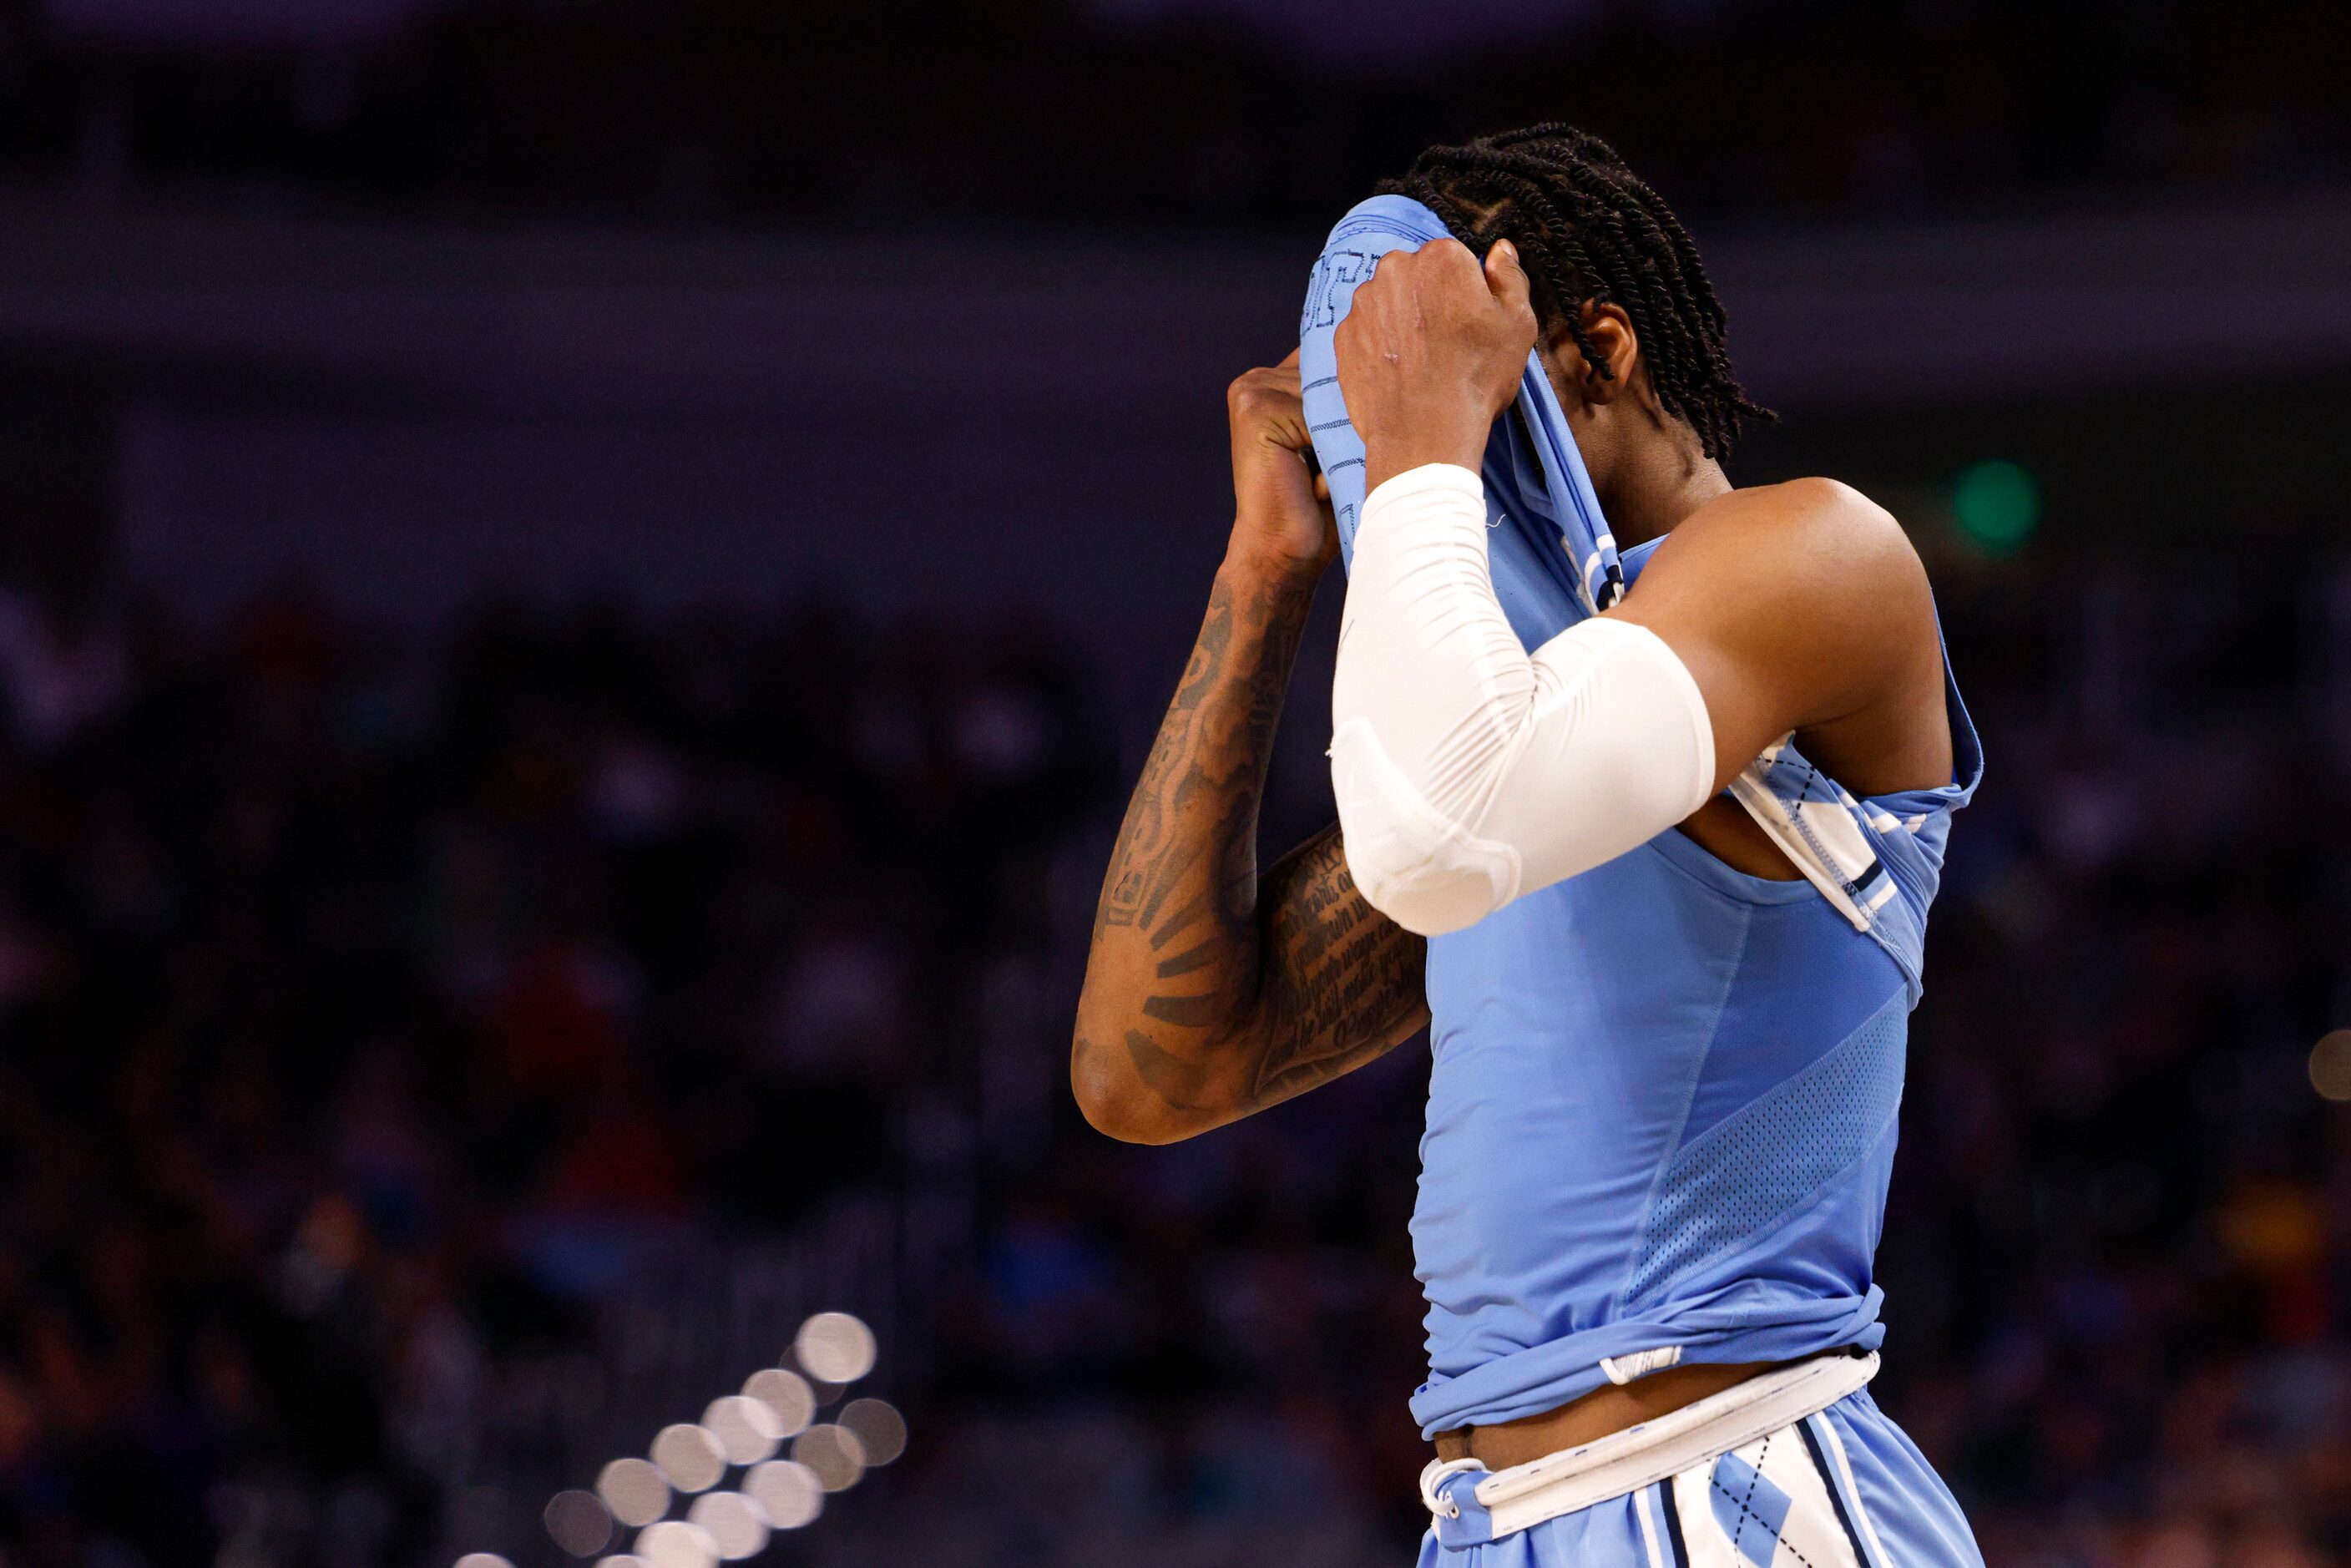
pixel 1611 1466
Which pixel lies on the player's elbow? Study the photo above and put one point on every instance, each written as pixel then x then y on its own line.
pixel 1412 864
pixel 1465 814
pixel 1430 899
pixel 1115 1102
pixel 1107 1109
pixel 1127 1119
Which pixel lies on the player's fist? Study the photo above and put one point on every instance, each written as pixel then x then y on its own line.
pixel 1431 353
pixel 1282 507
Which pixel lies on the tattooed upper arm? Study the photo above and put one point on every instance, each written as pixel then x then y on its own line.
pixel 1343 984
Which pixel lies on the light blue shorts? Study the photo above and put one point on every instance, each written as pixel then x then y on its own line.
pixel 1845 1488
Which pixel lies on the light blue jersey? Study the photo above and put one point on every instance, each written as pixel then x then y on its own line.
pixel 1661 1106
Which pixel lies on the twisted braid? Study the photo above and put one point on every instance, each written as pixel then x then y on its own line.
pixel 1589 231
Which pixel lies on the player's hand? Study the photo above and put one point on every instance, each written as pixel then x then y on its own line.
pixel 1282 516
pixel 1431 353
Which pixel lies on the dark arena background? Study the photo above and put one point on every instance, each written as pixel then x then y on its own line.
pixel 581 583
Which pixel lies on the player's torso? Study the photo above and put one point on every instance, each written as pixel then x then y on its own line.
pixel 1589 1041
pixel 1663 1096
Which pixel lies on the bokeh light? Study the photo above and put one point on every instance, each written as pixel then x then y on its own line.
pixel 578 1522
pixel 1997 505
pixel 2330 1065
pixel 835 1347
pixel 736 1525
pixel 634 1489
pixel 742 1430
pixel 690 1456
pixel 833 1453
pixel 787 1491
pixel 746 1430
pixel 483 1559
pixel 675 1544
pixel 880 1430
pixel 788 1395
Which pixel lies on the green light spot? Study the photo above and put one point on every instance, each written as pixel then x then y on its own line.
pixel 1997 505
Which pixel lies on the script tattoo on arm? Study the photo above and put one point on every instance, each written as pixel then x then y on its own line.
pixel 1343 983
pixel 1212 992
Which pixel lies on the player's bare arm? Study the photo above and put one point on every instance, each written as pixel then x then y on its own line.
pixel 1213 992
pixel 1804 607
pixel 1793 608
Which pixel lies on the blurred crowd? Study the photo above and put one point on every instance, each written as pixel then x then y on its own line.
pixel 1159 110
pixel 374 1007
pixel 367 1022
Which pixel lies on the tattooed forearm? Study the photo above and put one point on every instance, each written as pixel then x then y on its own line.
pixel 1209 762
pixel 1228 994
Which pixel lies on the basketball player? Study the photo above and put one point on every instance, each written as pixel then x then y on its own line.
pixel 1642 782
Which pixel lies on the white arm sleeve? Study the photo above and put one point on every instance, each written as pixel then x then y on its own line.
pixel 1468 772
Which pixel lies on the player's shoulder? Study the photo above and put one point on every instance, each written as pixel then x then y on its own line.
pixel 1802 536
pixel 1808 562
pixel 1809 514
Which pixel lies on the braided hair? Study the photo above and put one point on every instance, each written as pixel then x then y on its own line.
pixel 1589 230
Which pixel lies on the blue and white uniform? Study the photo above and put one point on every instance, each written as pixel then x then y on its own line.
pixel 1662 1107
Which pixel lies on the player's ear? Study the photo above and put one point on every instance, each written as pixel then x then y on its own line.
pixel 1610 332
